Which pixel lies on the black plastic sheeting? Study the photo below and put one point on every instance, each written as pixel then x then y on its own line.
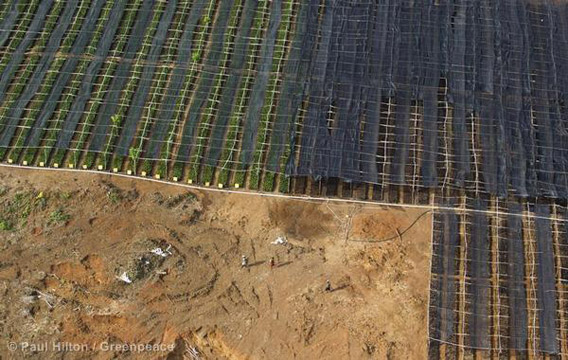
pixel 512 292
pixel 88 83
pixel 443 296
pixel 515 285
pixel 479 279
pixel 294 84
pixel 167 106
pixel 145 83
pixel 18 55
pixel 9 21
pixel 546 287
pixel 405 78
pixel 430 50
pixel 559 79
pixel 457 85
pixel 504 66
pixel 539 25
pixel 121 75
pixel 208 75
pixel 258 92
pixel 65 73
pixel 235 74
pixel 512 48
pixel 30 90
pixel 489 76
pixel 335 74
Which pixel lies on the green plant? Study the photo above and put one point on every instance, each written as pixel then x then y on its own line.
pixel 89 159
pixel 254 177
pixel 6 225
pixel 134 154
pixel 268 183
pixel 116 120
pixel 58 216
pixel 208 173
pixel 66 195
pixel 240 176
pixel 196 56
pixel 147 167
pixel 284 185
pixel 118 160
pixel 21 205
pixel 178 170
pixel 114 196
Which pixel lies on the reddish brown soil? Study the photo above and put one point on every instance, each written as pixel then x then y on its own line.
pixel 59 267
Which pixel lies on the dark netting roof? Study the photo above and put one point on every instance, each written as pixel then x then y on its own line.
pixel 436 93
pixel 489 76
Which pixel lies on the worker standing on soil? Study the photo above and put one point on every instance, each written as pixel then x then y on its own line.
pixel 271 263
pixel 244 261
pixel 327 285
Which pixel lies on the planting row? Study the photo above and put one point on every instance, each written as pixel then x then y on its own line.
pixel 251 92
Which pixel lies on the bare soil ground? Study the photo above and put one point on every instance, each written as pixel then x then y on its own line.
pixel 66 239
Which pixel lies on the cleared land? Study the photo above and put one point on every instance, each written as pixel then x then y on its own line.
pixel 69 235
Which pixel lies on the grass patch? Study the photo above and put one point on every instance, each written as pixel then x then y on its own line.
pixel 6 225
pixel 114 195
pixel 16 210
pixel 58 216
pixel 284 185
pixel 268 183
